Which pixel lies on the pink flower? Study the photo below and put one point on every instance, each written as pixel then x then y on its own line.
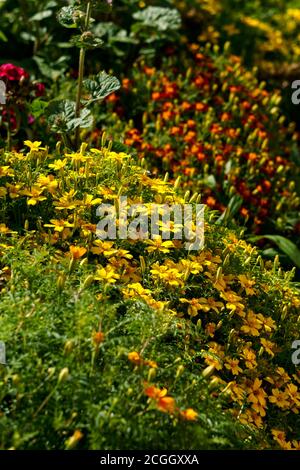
pixel 30 119
pixel 12 72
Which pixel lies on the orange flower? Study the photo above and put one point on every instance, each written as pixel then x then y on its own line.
pixel 72 441
pixel 189 414
pixel 155 393
pixel 135 358
pixel 77 251
pixel 166 404
pixel 152 364
pixel 155 96
pixel 98 337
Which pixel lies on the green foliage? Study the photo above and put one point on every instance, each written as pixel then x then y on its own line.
pixel 157 18
pixel 62 117
pixel 46 331
pixel 101 86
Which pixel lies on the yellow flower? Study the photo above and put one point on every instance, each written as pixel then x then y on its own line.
pixel 247 284
pixel 279 398
pixel 158 245
pixel 280 438
pixel 34 146
pixel 252 324
pixel 67 201
pixel 233 366
pixel 135 289
pixel 170 276
pixel 257 396
pixel 48 182
pixel 107 275
pixel 103 248
pixel 14 191
pixel 89 201
pixel 268 346
pixel 202 304
pixel 233 301
pixel 58 164
pixel 4 229
pixel 251 417
pixel 3 191
pixel 154 392
pixel 166 404
pixel 249 357
pixel 35 195
pixel 267 323
pixel 6 171
pixel 58 225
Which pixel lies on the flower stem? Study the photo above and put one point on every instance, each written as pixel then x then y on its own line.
pixel 81 74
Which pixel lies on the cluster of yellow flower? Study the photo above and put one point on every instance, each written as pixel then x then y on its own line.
pixel 245 311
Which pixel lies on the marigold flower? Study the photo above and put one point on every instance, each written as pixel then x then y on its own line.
pixel 135 358
pixel 166 404
pixel 77 251
pixel 189 414
pixel 98 337
pixel 155 393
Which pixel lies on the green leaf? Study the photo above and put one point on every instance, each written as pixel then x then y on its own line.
pixel 37 107
pixel 102 86
pixel 51 70
pixel 232 208
pixel 69 17
pixel 86 40
pixel 285 245
pixel 162 19
pixel 61 116
pixel 3 37
pixel 41 15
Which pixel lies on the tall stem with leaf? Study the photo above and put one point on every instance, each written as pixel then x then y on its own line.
pixel 66 116
pixel 81 74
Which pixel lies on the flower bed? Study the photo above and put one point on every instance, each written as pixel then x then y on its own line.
pixel 134 344
pixel 206 119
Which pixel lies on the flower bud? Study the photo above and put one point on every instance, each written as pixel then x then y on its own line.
pixel 63 375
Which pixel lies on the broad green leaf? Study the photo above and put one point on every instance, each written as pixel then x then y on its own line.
pixel 61 116
pixel 51 70
pixel 86 40
pixel 69 17
pixel 41 15
pixel 102 86
pixel 162 19
pixel 285 245
pixel 37 107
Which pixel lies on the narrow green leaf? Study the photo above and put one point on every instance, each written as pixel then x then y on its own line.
pixel 287 246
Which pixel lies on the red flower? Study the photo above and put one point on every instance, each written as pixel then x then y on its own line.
pixel 12 72
pixel 39 89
